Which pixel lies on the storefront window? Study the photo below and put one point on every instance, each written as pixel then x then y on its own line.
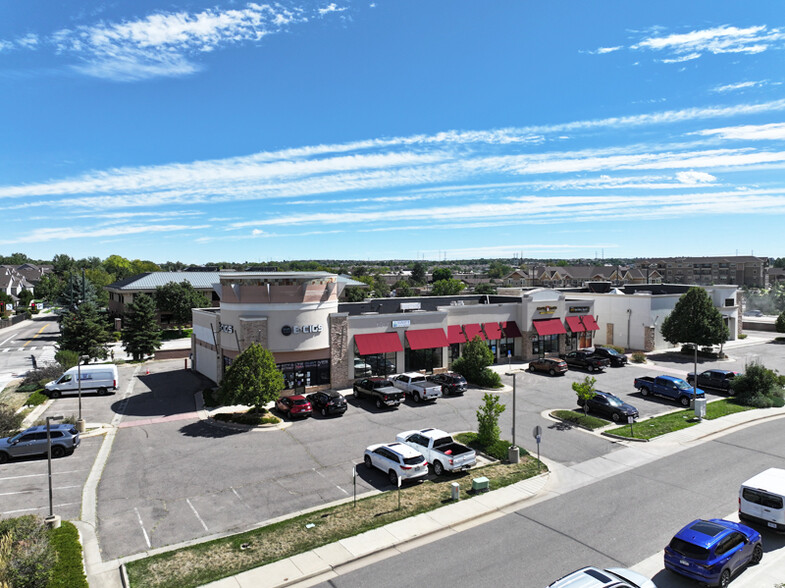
pixel 422 359
pixel 305 373
pixel 506 348
pixel 455 351
pixel 545 344
pixel 380 364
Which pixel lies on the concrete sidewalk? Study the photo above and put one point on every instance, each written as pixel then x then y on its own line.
pixel 329 561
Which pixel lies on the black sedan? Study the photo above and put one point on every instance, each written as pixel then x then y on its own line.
pixel 452 384
pixel 328 402
pixel 617 359
pixel 610 406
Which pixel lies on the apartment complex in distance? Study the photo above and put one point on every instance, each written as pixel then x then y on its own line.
pixel 742 270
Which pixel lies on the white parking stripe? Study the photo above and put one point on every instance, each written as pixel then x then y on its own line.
pixel 325 477
pixel 39 508
pixel 37 490
pixel 42 474
pixel 197 514
pixel 146 538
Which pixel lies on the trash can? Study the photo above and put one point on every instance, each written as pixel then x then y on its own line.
pixel 700 407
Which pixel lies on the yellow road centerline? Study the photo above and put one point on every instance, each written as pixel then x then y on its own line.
pixel 34 336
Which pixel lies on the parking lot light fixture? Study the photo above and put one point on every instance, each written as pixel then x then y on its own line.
pixel 80 424
pixel 51 520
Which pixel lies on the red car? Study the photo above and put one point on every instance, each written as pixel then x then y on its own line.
pixel 294 406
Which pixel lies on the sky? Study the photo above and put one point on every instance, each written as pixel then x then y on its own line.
pixel 391 129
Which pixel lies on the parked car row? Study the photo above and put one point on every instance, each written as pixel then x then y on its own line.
pixel 710 551
pixel 327 402
pixel 591 360
pixel 408 457
pixel 34 441
pixel 390 392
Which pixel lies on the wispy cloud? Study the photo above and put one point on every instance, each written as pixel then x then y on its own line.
pixel 63 233
pixel 165 43
pixel 738 86
pixel 774 131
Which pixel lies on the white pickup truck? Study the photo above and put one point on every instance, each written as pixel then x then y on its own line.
pixel 440 450
pixel 417 386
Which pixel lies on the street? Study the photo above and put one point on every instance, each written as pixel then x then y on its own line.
pixel 19 342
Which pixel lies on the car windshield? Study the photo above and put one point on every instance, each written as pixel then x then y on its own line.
pixel 682 385
pixel 301 401
pixel 15 438
pixel 689 549
pixel 610 351
pixel 613 400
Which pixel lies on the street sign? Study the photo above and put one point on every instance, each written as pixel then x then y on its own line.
pixel 537 433
pixel 630 419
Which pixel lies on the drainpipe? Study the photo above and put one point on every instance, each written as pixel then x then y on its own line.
pixel 629 317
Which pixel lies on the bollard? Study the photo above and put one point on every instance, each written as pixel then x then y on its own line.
pixel 53 521
pixel 513 454
pixel 455 491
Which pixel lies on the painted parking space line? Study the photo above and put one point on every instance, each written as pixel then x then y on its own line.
pixel 41 474
pixel 141 524
pixel 39 508
pixel 197 514
pixel 326 478
pixel 37 490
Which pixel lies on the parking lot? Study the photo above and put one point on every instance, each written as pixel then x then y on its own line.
pixel 171 477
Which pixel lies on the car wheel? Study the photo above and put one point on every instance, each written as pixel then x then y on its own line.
pixel 757 554
pixel 54 394
pixel 438 468
pixel 417 397
pixel 684 401
pixel 552 372
pixel 724 579
pixel 590 368
pixel 324 412
pixel 378 403
pixel 57 451
pixel 3 457
pixel 368 463
pixel 393 478
pixel 531 369
pixel 102 391
pixel 644 391
pixel 616 417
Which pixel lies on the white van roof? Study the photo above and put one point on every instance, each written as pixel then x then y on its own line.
pixel 772 480
pixel 94 367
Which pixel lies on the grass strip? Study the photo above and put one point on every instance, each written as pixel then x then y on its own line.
pixel 580 419
pixel 213 560
pixel 68 571
pixel 675 421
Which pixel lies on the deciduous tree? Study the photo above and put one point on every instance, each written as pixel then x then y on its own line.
pixel 141 333
pixel 441 273
pixel 695 319
pixel 488 431
pixel 252 379
pixel 177 300
pixel 447 287
pixel 585 392
pixel 417 277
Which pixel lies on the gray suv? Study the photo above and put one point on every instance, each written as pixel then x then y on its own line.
pixel 32 441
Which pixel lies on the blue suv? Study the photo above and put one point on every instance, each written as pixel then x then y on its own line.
pixel 713 551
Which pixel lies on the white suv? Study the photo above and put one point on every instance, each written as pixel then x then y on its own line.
pixel 397 460
pixel 592 577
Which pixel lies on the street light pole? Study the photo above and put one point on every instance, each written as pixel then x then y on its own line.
pixel 80 424
pixel 52 520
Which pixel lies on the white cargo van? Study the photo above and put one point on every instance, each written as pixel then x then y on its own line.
pixel 761 499
pixel 99 378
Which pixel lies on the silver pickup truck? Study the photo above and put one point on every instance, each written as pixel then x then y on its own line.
pixel 440 449
pixel 417 386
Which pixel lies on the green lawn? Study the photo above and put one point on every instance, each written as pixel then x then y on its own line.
pixel 578 418
pixel 675 421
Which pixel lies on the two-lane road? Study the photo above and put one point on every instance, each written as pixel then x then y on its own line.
pixel 18 343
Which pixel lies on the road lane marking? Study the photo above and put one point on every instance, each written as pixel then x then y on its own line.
pixel 146 538
pixel 197 514
pixel 7 340
pixel 34 336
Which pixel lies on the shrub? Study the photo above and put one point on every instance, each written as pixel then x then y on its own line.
pixel 639 357
pixel 68 572
pixel 759 387
pixel 247 418
pixel 42 375
pixel 10 421
pixel 488 430
pixel 489 379
pixel 742 335
pixel 616 347
pixel 31 558
pixel 67 358
pixel 36 398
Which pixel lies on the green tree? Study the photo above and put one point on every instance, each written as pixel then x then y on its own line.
pixel 100 278
pixel 473 364
pixel 177 300
pixel 402 288
pixel 485 288
pixel 77 290
pixel 441 273
pixel 5 301
pixel 759 386
pixel 28 557
pixel 67 358
pixel 585 392
pixel 488 431
pixel 447 287
pixel 779 324
pixel 695 319
pixel 354 294
pixel 497 269
pixel 63 264
pixel 118 266
pixel 49 288
pixel 25 296
pixel 417 277
pixel 140 266
pixel 83 330
pixel 252 379
pixel 141 333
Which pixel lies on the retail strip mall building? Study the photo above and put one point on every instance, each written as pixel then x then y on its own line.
pixel 320 342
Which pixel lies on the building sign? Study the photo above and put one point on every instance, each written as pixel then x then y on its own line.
pixel 410 306
pixel 401 324
pixel 579 309
pixel 226 328
pixel 547 309
pixel 296 329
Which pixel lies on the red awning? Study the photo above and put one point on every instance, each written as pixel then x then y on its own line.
pixel 492 330
pixel 455 335
pixel 426 339
pixel 575 324
pixel 511 329
pixel 550 327
pixel 473 331
pixel 590 323
pixel 374 343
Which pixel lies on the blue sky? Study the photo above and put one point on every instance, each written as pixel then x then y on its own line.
pixel 205 131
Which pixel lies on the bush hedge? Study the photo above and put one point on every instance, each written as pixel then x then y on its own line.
pixel 36 398
pixel 28 560
pixel 10 421
pixel 68 572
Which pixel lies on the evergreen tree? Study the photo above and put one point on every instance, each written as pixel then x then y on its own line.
pixel 695 319
pixel 418 274
pixel 779 324
pixel 77 290
pixel 141 334
pixel 83 330
pixel 252 379
pixel 178 300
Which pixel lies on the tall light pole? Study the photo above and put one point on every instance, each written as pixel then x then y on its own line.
pixel 80 424
pixel 52 520
pixel 513 453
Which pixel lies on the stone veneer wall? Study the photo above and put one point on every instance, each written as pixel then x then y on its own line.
pixel 648 338
pixel 339 350
pixel 609 334
pixel 253 330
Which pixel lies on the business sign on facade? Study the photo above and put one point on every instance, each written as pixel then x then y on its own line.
pixel 226 328
pixel 578 310
pixel 296 329
pixel 547 309
pixel 401 324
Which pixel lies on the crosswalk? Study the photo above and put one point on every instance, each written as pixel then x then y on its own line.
pixel 27 349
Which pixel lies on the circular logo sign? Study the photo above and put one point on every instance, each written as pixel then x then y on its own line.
pixel 286 330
